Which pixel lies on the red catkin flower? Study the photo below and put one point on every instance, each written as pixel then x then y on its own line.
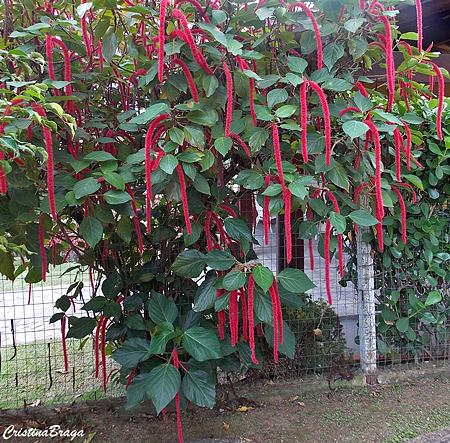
pixel 42 246
pixel 103 352
pixel 184 199
pixel 49 54
pixel 135 219
pixel 362 89
pixel 419 25
pixel 327 260
pixel 148 166
pixel 287 223
pixel 234 316
pixel 97 344
pixel 161 39
pixel 275 323
pixel 251 320
pixel 266 215
pixel 198 57
pixel 189 78
pixel 277 151
pixel 209 243
pixel 378 195
pixel 229 111
pixel 280 313
pixel 64 345
pixel 100 56
pixel 407 185
pixel 326 118
pixel 403 212
pixel 350 108
pixel 316 29
pixel 243 301
pixel 398 146
pixel 362 5
pixel 241 142
pixel 304 118
pixel 441 93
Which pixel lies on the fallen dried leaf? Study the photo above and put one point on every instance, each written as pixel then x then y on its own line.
pixel 301 404
pixel 226 425
pixel 59 410
pixel 294 398
pixel 243 409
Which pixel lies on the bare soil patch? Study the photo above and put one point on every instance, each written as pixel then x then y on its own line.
pixel 406 404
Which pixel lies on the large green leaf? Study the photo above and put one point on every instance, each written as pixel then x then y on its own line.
pixel 354 128
pixel 276 96
pixel 85 187
pixel 339 176
pixel 199 389
pixel 297 64
pixel 295 280
pixel 234 280
pixel 132 352
pixel 164 332
pixel 137 390
pixel 263 277
pixel 189 263
pixel 223 145
pixel 81 327
pixel 332 53
pixel 91 230
pixel 168 163
pixel 219 260
pixel 262 306
pixel 433 298
pixel 363 218
pixel 115 197
pixel 206 294
pixel 201 343
pixel 237 228
pixel 163 384
pixel 150 113
pixel 338 222
pixel 161 309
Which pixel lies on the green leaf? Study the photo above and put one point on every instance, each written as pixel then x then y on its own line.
pixel 276 96
pixel 237 228
pixel 382 347
pixel 273 190
pixel 115 197
pixel 115 180
pixel 416 181
pixel 150 113
pixel 402 324
pixel 263 277
pixel 234 280
pixel 262 305
pixel 199 389
pixel 219 260
pixel 433 298
pixel 332 53
pixel 338 222
pixel 163 384
pixel 137 390
pixel 339 176
pixel 206 116
pixel 363 218
pixel 354 128
pixel 210 84
pixel 161 309
pixel 363 103
pixel 95 304
pixel 109 47
pixel 298 189
pixel 354 24
pixel 189 263
pixel 98 156
pixel 257 138
pixel 223 145
pixel 286 111
pixel 132 352
pixel 202 344
pixel 337 84
pixel 176 135
pixel 164 332
pixel 206 293
pixel 196 231
pixel 168 163
pixel 194 136
pixel 297 64
pixel 267 81
pixel 86 187
pixel 295 280
pixel 81 327
pixel 91 230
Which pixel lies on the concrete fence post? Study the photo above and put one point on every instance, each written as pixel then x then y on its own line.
pixel 366 303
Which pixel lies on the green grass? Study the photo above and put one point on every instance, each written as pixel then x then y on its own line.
pixel 36 373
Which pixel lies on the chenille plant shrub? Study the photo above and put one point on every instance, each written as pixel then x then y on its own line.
pixel 132 132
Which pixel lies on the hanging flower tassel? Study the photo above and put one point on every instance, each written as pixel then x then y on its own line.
pixel 327 260
pixel 304 118
pixel 403 212
pixel 184 199
pixel 266 215
pixel 161 39
pixel 277 151
pixel 251 319
pixel 287 223
pixel 326 118
pixel 229 110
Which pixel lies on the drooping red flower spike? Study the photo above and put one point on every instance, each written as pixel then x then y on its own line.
pixel 419 25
